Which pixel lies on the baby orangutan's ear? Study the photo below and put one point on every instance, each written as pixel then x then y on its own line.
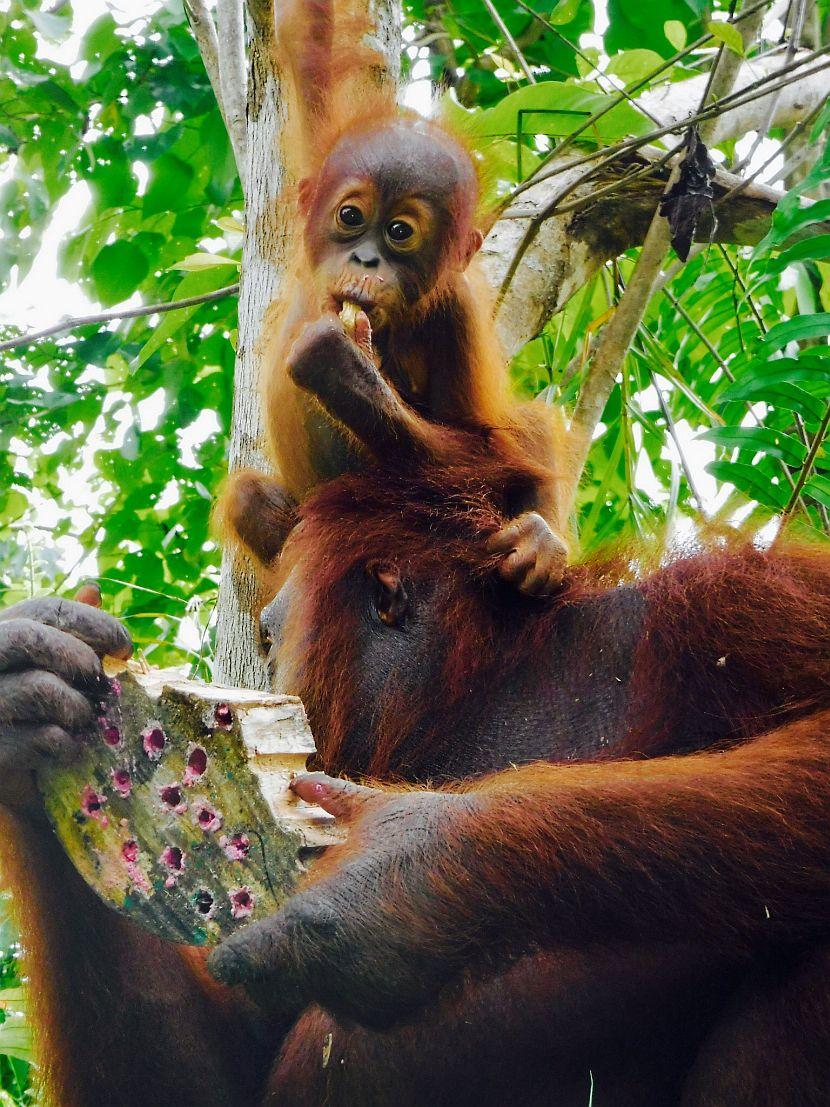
pixel 391 599
pixel 305 196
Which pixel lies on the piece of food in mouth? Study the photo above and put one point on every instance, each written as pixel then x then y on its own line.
pixel 348 316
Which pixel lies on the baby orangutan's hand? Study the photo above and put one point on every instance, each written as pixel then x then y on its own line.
pixel 535 556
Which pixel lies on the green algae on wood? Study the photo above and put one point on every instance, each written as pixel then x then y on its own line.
pixel 165 813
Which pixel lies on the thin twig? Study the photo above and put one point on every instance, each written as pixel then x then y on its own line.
pixel 675 437
pixel 807 467
pixel 123 313
pixel 514 46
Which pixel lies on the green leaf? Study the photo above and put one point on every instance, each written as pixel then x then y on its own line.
pixel 228 223
pixel 787 222
pixel 819 488
pixel 799 329
pixel 633 65
pixel 810 368
pixel 169 183
pixel 814 248
pixel 194 284
pixel 564 12
pixel 556 108
pixel 728 34
pixel 117 271
pixel 750 481
pixel 758 440
pixel 196 262
pixel 675 32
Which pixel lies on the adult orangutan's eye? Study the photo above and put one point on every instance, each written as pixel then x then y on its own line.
pixel 350 216
pixel 391 599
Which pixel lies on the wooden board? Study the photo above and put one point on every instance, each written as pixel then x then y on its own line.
pixel 178 814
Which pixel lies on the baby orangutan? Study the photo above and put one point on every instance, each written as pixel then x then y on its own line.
pixel 389 322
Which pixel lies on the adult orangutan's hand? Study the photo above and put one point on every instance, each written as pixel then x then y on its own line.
pixel 373 938
pixel 50 676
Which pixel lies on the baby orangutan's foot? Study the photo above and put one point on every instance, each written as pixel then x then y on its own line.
pixel 535 556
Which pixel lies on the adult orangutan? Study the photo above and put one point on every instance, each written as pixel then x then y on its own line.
pixel 388 206
pixel 623 882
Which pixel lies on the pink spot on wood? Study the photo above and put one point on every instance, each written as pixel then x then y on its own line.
pixel 197 761
pixel 138 879
pixel 115 686
pixel 237 847
pixel 112 735
pixel 92 804
pixel 242 902
pixel 205 817
pixel 122 781
pixel 203 902
pixel 172 798
pixel 173 859
pixel 223 714
pixel 153 740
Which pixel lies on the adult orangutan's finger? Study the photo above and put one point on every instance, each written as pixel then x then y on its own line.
pixel 38 697
pixel 25 645
pixel 339 797
pixel 100 631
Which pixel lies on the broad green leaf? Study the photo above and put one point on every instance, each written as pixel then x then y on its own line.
pixel 814 248
pixel 728 34
pixel 675 32
pixel 799 329
pixel 195 262
pixel 564 12
pixel 819 488
pixel 228 223
pixel 758 440
pixel 750 481
pixel 790 397
pixel 194 284
pixel 170 179
pixel 787 224
pixel 807 369
pixel 556 108
pixel 633 65
pixel 117 271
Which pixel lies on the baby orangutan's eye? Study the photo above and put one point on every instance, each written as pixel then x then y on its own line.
pixel 350 216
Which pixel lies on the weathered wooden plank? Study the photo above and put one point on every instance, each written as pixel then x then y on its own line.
pixel 178 813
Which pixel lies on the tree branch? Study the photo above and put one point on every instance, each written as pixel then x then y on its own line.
pixel 111 316
pixel 233 78
pixel 568 248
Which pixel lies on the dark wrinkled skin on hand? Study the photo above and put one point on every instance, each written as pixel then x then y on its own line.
pixel 535 556
pixel 50 680
pixel 322 347
pixel 342 942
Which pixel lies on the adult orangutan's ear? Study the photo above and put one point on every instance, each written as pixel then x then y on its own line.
pixel 391 599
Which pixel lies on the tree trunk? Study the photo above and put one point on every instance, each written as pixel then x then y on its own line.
pixel 238 661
